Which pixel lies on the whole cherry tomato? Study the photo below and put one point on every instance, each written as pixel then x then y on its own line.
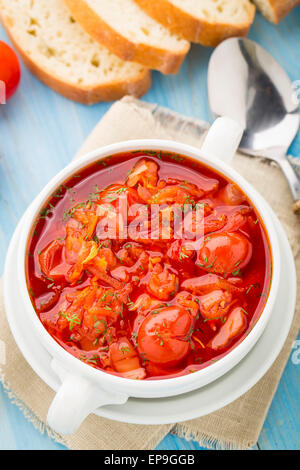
pixel 164 334
pixel 10 71
pixel 224 253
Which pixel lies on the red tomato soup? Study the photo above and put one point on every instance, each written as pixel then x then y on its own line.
pixel 148 265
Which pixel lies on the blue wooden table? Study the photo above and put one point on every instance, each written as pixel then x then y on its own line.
pixel 40 131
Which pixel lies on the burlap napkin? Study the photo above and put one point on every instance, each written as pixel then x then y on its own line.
pixel 237 425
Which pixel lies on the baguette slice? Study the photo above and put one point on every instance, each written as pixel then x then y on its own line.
pixel 127 31
pixel 59 52
pixel 204 21
pixel 276 10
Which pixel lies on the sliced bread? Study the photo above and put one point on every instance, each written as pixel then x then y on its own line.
pixel 127 31
pixel 60 53
pixel 276 10
pixel 204 21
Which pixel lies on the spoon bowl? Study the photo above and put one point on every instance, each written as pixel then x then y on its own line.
pixel 246 84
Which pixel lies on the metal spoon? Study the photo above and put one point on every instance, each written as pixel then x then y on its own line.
pixel 248 85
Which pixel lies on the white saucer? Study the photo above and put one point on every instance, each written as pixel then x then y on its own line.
pixel 183 407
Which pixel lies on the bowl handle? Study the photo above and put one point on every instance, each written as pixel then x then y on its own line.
pixel 223 139
pixel 75 400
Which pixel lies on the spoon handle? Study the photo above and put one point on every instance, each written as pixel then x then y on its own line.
pixel 293 180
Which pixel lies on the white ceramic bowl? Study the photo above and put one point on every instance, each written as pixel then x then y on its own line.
pixel 84 388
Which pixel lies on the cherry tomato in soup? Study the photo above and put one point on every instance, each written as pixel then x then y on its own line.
pixel 10 72
pixel 163 335
pixel 231 194
pixel 224 253
pixel 50 257
pixel 234 325
pixel 124 356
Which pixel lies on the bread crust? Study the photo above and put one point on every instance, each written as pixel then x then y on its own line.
pixel 152 57
pixel 112 91
pixel 191 28
pixel 282 7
